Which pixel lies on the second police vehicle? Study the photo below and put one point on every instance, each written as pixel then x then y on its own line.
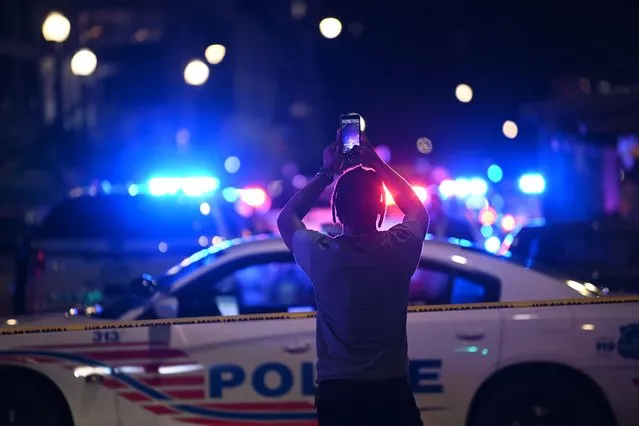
pixel 96 241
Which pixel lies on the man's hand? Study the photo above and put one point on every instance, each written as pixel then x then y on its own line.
pixel 367 154
pixel 332 155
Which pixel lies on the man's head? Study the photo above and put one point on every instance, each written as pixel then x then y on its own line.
pixel 359 199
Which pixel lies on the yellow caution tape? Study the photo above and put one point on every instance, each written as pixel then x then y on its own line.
pixel 117 325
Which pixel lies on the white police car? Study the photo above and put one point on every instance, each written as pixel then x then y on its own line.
pixel 537 364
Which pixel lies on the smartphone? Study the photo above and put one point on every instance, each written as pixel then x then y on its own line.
pixel 349 123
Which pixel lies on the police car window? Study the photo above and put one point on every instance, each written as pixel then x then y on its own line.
pixel 466 290
pixel 264 287
pixel 107 217
pixel 430 285
pixel 434 284
pixel 272 286
pixel 474 287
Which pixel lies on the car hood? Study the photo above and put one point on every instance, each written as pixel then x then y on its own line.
pixel 47 319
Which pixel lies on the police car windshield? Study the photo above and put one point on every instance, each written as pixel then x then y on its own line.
pixel 115 305
pixel 192 263
pixel 139 217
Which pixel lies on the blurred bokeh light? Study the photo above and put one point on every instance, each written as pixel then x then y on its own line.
pixel 389 198
pixel 275 188
pixel 232 164
pixel 532 183
pixel 330 27
pixel 508 223
pixel 487 216
pixel 196 73
pixel 424 145
pixel 56 28
pixel 253 197
pixel 464 93
pixel 422 193
pixel 298 9
pixel 492 244
pixel 183 137
pixel 84 63
pixel 494 173
pixel 215 53
pixel 510 129
pixel 205 208
pixel 384 152
pixel 299 181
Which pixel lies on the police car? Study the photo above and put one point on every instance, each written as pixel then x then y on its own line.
pixel 90 245
pixel 536 364
pixel 604 252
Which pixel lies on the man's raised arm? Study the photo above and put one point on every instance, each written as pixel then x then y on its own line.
pixel 402 192
pixel 290 219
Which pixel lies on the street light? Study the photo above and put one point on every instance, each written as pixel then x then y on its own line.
pixel 56 28
pixel 83 63
pixel 215 53
pixel 196 73
pixel 330 27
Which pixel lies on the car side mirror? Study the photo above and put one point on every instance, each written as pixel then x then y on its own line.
pixel 165 307
pixel 144 286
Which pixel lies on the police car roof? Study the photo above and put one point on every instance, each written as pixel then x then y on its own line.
pixel 261 243
pixel 143 216
pixel 437 252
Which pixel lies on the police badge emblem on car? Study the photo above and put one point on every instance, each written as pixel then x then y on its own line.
pixel 628 344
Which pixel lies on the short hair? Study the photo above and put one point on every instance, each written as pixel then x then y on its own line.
pixel 357 193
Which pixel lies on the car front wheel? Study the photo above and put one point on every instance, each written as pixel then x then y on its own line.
pixel 26 403
pixel 539 402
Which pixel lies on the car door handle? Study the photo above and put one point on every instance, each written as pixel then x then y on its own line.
pixel 297 347
pixel 470 335
pixel 94 379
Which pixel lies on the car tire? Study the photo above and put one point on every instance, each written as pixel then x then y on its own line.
pixel 539 402
pixel 25 402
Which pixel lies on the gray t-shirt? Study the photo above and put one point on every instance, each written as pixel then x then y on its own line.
pixel 361 290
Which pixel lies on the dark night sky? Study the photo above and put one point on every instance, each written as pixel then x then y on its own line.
pixel 403 70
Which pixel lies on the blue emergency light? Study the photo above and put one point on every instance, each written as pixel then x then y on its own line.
pixel 532 183
pixel 190 186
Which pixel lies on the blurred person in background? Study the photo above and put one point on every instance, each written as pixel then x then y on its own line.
pixel 627 210
pixel 628 204
pixel 261 224
pixel 628 153
pixel 455 224
pixel 361 281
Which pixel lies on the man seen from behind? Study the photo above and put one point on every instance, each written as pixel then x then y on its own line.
pixel 361 280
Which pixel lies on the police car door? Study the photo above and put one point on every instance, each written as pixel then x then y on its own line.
pixel 248 371
pixel 451 352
